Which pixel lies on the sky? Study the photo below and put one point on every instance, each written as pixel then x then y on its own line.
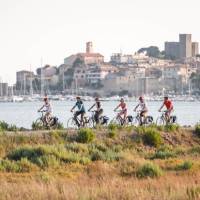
pixel 50 30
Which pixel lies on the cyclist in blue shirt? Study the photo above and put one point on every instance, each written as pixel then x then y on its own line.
pixel 81 111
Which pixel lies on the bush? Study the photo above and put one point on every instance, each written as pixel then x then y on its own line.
pixel 108 156
pixel 6 127
pixel 59 126
pixel 112 133
pixel 172 127
pixel 85 135
pixel 37 126
pixel 152 137
pixel 3 125
pixel 184 166
pixel 197 129
pixel 149 170
pixel 164 153
pixel 113 127
pixel 8 166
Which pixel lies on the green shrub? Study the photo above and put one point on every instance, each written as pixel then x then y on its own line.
pixel 172 127
pixel 9 166
pixel 26 166
pixel 163 155
pixel 60 126
pixel 184 166
pixel 112 133
pixel 37 126
pixel 108 156
pixel 112 127
pixel 47 161
pixel 149 170
pixel 6 127
pixel 197 129
pixel 164 152
pixel 194 150
pixel 152 137
pixel 85 135
pixel 3 125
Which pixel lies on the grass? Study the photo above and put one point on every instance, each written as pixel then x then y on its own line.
pixel 149 170
pixel 136 163
pixel 85 135
pixel 152 137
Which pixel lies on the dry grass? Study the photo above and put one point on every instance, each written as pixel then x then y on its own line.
pixel 111 170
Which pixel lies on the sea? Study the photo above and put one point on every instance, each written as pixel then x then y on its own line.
pixel 25 113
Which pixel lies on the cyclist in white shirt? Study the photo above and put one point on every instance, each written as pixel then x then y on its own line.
pixel 47 109
pixel 143 109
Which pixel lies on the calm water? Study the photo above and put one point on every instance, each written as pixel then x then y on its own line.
pixel 23 114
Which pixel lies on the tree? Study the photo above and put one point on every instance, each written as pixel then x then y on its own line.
pixel 151 51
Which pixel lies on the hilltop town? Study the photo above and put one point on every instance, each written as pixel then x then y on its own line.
pixel 176 70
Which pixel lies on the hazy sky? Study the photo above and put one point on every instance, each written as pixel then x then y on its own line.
pixel 54 29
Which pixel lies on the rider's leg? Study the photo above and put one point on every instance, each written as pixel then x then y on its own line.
pixel 75 118
pixel 96 117
pixel 82 119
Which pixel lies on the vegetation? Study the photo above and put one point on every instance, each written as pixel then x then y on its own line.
pixel 85 135
pixel 113 163
pixel 197 129
pixel 152 137
pixel 149 170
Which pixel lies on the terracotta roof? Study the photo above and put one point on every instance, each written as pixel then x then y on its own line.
pixel 90 54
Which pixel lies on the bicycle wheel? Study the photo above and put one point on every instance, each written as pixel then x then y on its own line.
pixel 39 124
pixel 148 120
pixel 89 123
pixel 71 123
pixel 135 121
pixel 160 121
pixel 116 121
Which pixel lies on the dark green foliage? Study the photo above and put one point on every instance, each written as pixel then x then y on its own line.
pixel 184 166
pixel 152 137
pixel 171 127
pixel 149 170
pixel 85 135
pixel 197 129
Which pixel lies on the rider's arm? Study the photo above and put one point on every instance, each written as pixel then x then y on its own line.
pixel 41 108
pixel 136 107
pixel 91 107
pixel 73 108
pixel 161 107
pixel 117 107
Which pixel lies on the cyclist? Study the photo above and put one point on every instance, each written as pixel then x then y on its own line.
pixel 143 109
pixel 123 111
pixel 47 109
pixel 98 111
pixel 81 111
pixel 169 106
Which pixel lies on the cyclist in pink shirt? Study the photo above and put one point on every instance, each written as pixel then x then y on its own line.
pixel 123 107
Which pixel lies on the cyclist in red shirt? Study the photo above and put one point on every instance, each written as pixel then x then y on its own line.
pixel 122 105
pixel 169 106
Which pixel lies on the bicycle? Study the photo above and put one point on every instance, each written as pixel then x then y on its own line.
pixel 136 120
pixel 118 120
pixel 76 124
pixel 162 120
pixel 103 120
pixel 42 123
